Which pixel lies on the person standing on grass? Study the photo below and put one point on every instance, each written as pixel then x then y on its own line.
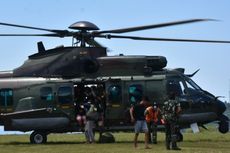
pixel 170 112
pixel 91 118
pixel 151 117
pixel 137 116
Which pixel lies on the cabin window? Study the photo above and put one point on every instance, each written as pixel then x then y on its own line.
pixel 65 95
pixel 46 93
pixel 6 97
pixel 114 93
pixel 135 93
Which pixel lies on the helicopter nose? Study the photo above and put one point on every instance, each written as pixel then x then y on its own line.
pixel 220 107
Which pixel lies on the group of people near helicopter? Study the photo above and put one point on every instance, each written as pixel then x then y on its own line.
pixel 146 118
pixel 91 105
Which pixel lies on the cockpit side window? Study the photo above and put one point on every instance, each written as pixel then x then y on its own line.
pixel 175 86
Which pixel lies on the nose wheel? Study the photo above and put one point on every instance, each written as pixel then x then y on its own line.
pixel 223 127
pixel 223 124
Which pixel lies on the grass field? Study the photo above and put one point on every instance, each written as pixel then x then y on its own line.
pixel 205 142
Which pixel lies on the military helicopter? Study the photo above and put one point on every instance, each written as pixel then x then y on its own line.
pixel 42 94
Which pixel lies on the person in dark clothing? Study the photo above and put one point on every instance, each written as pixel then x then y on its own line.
pixel 171 110
pixel 137 116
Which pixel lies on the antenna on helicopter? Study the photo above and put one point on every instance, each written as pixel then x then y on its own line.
pixel 41 47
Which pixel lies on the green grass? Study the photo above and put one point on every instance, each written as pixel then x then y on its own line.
pixel 204 142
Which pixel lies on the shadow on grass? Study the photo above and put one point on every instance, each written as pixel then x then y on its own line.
pixel 48 143
pixel 117 142
pixel 62 143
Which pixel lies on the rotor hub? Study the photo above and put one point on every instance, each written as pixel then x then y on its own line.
pixel 83 25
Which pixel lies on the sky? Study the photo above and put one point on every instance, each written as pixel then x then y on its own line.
pixel 212 59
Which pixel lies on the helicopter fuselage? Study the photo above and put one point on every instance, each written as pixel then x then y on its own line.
pixel 40 104
pixel 43 94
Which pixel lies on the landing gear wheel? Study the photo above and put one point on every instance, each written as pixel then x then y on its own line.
pixel 223 127
pixel 38 137
pixel 223 124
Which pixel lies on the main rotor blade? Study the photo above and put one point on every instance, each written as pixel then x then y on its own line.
pixel 162 39
pixel 61 32
pixel 21 35
pixel 131 29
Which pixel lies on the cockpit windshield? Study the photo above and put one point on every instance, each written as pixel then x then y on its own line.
pixel 191 84
pixel 181 86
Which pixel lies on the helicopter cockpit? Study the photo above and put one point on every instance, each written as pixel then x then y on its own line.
pixel 191 96
pixel 195 100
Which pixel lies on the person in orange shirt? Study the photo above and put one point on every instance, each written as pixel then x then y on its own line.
pixel 151 116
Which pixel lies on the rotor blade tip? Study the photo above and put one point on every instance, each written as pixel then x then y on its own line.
pixel 216 20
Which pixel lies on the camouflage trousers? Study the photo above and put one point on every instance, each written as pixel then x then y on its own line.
pixel 171 129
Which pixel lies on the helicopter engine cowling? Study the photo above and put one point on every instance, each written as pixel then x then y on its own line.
pixel 156 62
pixel 66 62
pixel 130 65
pixel 89 65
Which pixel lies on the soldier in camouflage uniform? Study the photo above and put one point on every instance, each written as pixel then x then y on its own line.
pixel 170 112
